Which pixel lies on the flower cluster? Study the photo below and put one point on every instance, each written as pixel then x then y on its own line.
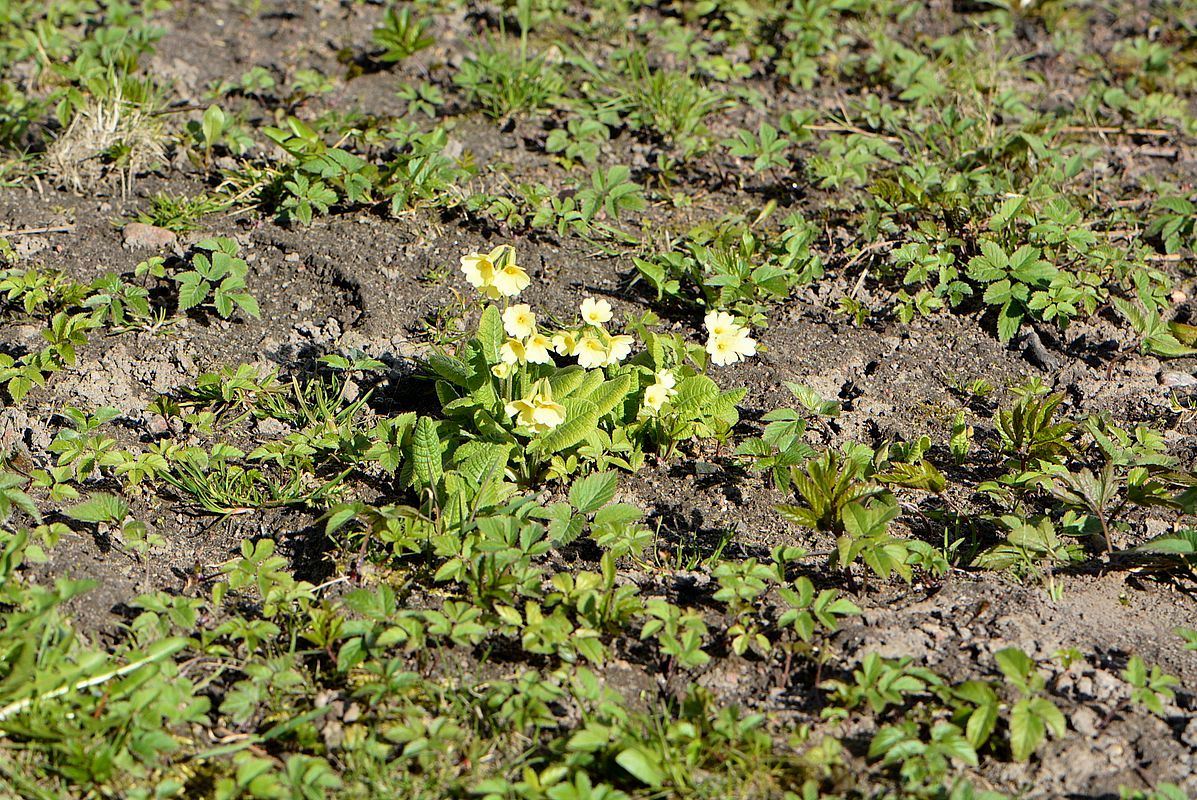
pixel 537 412
pixel 525 344
pixel 495 274
pixel 593 345
pixel 728 342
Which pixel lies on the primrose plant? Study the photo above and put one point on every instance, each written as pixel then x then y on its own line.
pixel 583 396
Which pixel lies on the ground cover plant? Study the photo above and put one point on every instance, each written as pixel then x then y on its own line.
pixel 544 400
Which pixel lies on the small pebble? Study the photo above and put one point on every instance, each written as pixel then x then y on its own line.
pixel 1168 377
pixel 1085 721
pixel 1189 736
pixel 138 234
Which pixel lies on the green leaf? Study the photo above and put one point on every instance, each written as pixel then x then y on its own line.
pixel 193 290
pixel 1009 321
pixel 1185 334
pixel 212 125
pixel 922 475
pixel 641 766
pixel 694 394
pixel 593 492
pixel 99 508
pixel 581 417
pixel 452 369
pixel 426 452
pixel 248 304
pixel 566 381
pixel 1015 665
pixel 490 333
pixel 1005 215
pixel 610 393
pixel 1027 731
pixel 1180 543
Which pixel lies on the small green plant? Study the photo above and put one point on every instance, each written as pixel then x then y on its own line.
pixel 579 142
pixel 505 81
pixel 611 192
pixel 768 148
pixel 180 214
pixel 216 278
pixel 1149 688
pixel 505 390
pixel 730 267
pixel 671 106
pixel 401 35
pixel 1032 716
pixel 1018 283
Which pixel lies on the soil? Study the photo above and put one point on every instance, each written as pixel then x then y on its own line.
pixel 361 280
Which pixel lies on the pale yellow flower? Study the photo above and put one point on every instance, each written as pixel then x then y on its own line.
pixel 731 348
pixel 591 352
pixel 595 312
pixel 566 343
pixel 618 349
pixel 513 352
pixel 721 323
pixel 501 370
pixel 536 349
pixel 479 269
pixel 657 394
pixel 522 411
pixel 537 411
pixel 510 280
pixel 519 321
pixel 547 415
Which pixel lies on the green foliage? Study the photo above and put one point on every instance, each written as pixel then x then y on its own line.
pixel 1017 283
pixel 580 141
pixel 768 148
pixel 180 214
pixel 1029 431
pixel 216 278
pixel 1151 689
pixel 486 587
pixel 1032 715
pixel 319 176
pixel 505 81
pixel 671 106
pixel 611 193
pixel 828 485
pixel 730 267
pixel 401 35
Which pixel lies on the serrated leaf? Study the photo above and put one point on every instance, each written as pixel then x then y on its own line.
pixel 566 381
pixel 450 368
pixel 1009 321
pixel 426 452
pixel 923 475
pixel 193 290
pixel 693 395
pixel 1027 731
pixel 591 493
pixel 99 508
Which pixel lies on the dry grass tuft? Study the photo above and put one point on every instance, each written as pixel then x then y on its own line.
pixel 109 137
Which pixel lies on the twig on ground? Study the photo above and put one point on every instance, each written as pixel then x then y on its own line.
pixel 36 231
pixel 851 129
pixel 1161 132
